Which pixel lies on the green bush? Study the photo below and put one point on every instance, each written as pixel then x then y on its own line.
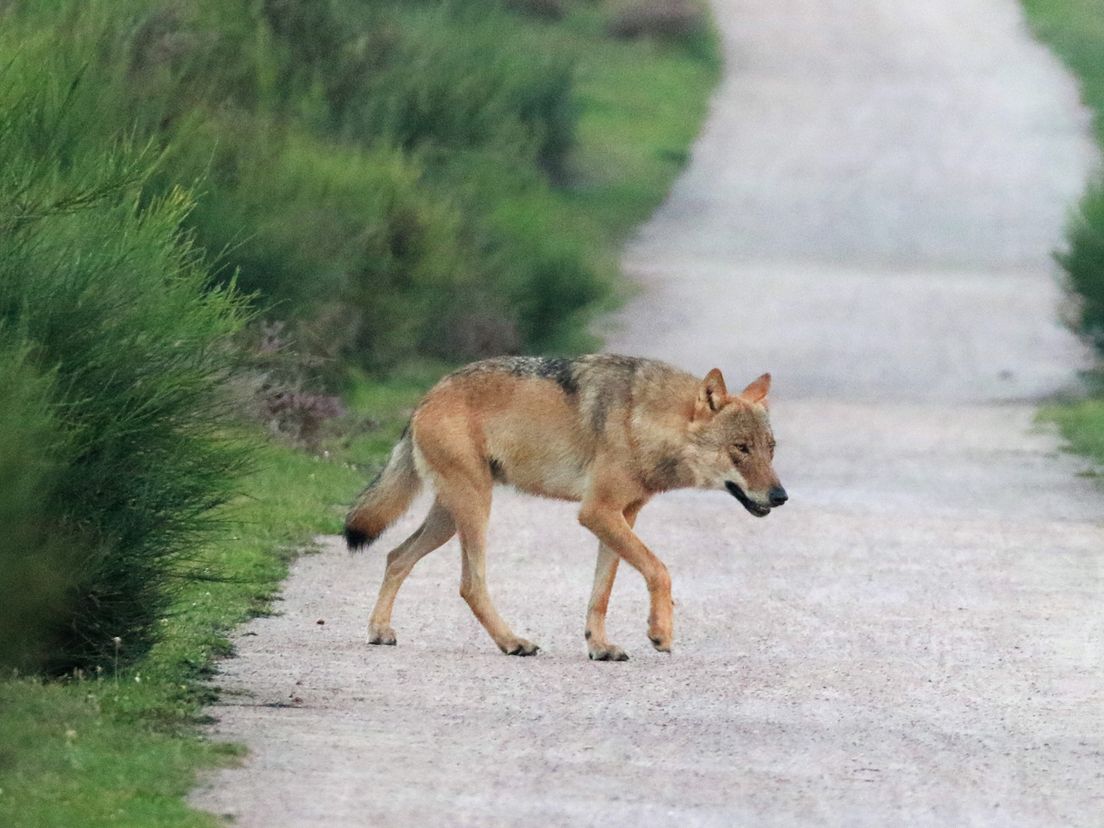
pixel 1083 261
pixel 103 295
pixel 351 244
pixel 34 562
pixel 464 78
pixel 1075 30
pixel 546 279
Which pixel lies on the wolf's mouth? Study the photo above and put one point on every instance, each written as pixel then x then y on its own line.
pixel 749 504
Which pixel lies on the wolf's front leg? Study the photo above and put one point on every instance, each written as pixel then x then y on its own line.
pixel 613 529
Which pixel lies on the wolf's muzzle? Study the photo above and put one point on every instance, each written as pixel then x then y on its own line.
pixel 755 508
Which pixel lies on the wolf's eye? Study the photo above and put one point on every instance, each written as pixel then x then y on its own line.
pixel 742 448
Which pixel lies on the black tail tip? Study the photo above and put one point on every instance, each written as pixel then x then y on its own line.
pixel 357 539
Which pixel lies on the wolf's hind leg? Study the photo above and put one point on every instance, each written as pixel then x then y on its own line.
pixel 471 513
pixel 435 531
pixel 599 648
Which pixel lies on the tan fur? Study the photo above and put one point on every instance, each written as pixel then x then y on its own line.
pixel 606 431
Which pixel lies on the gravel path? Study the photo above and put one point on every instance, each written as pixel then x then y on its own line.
pixel 915 639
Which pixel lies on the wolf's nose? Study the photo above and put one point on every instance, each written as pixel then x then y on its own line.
pixel 777 496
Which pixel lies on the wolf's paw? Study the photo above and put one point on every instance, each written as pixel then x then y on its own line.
pixel 607 652
pixel 521 647
pixel 660 640
pixel 381 635
pixel 661 631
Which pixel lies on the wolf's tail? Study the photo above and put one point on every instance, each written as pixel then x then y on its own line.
pixel 386 498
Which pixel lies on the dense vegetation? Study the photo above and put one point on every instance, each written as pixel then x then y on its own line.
pixel 1075 30
pixel 120 746
pixel 115 345
pixel 219 211
pixel 388 179
pixel 381 173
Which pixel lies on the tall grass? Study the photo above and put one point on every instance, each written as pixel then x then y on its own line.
pixel 119 345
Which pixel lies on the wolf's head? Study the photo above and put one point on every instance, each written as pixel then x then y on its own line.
pixel 731 444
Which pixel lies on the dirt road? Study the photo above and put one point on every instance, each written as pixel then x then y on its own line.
pixel 917 638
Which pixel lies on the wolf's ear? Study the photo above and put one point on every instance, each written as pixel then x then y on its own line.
pixel 712 394
pixel 757 391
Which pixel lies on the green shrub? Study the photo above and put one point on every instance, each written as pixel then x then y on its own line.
pixel 546 278
pixel 108 299
pixel 1075 30
pixel 351 245
pixel 468 77
pixel 1083 261
pixel 34 561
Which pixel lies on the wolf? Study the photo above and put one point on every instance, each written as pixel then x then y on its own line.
pixel 607 431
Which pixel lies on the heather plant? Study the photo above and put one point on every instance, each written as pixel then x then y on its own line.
pixel 278 388
pixel 672 21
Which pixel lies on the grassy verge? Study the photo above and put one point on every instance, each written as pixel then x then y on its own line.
pixel 1074 29
pixel 1082 423
pixel 642 105
pixel 122 748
